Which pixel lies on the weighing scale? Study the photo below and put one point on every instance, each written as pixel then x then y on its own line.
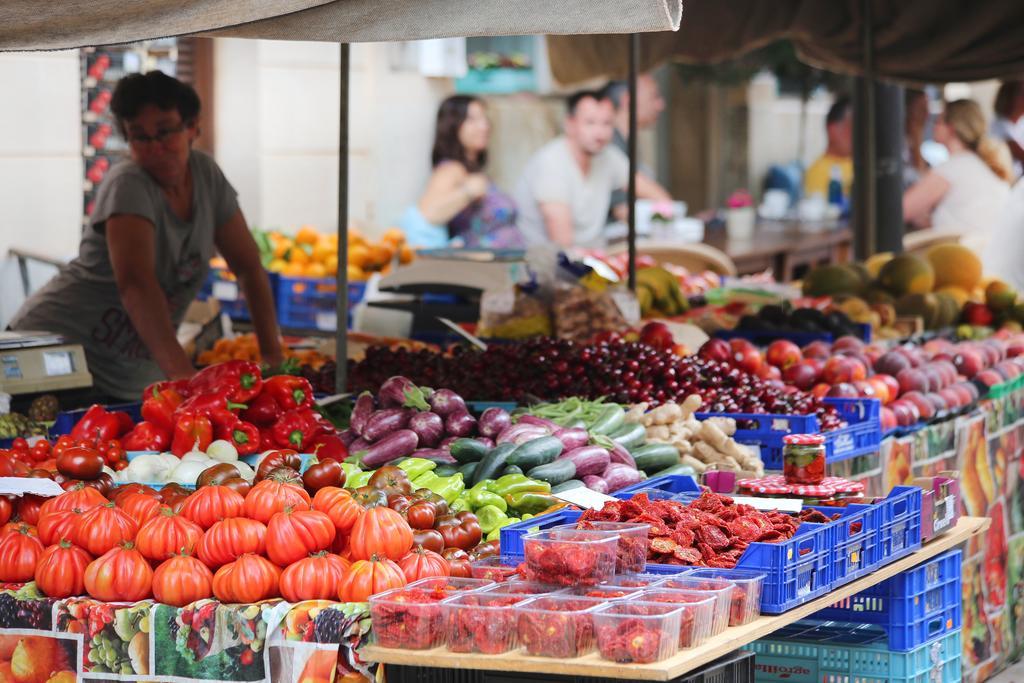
pixel 34 362
pixel 448 283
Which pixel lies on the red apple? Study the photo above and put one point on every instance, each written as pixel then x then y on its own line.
pixel 968 362
pixel 911 379
pixel 881 389
pixel 1015 347
pixel 848 343
pixel 892 363
pixel 906 412
pixel 803 375
pixel 866 389
pixel 818 349
pixel 977 314
pixel 768 372
pixel 745 356
pixel 843 390
pixel 924 406
pixel 888 419
pixel 820 390
pixel 938 402
pixel 782 353
pixel 657 334
pixel 952 397
pixel 716 350
pixel 838 369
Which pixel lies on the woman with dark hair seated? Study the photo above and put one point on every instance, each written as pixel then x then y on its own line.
pixel 460 205
pixel 145 252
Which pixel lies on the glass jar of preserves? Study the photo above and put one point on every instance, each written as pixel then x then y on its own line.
pixel 803 457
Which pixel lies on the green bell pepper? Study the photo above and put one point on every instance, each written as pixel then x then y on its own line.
pixel 414 467
pixel 358 479
pixel 448 488
pixel 350 471
pixel 530 502
pixel 510 484
pixel 458 505
pixel 490 518
pixel 424 480
pixel 495 534
pixel 479 496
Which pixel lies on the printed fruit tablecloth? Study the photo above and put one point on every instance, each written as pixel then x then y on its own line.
pixel 60 641
pixel 987 448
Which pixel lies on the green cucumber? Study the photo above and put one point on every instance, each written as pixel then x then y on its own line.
pixel 554 473
pixel 468 470
pixel 608 420
pixel 629 435
pixel 567 485
pixel 445 470
pixel 536 452
pixel 675 469
pixel 468 450
pixel 493 463
pixel 511 469
pixel 655 456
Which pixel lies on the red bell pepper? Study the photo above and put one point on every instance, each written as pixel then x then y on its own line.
pixel 97 425
pixel 158 407
pixel 125 423
pixel 329 447
pixel 146 436
pixel 244 436
pixel 178 385
pixel 289 392
pixel 295 429
pixel 191 432
pixel 215 405
pixel 239 378
pixel 263 410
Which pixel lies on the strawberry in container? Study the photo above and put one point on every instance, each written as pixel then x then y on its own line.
pixel 637 632
pixel 570 558
pixel 696 616
pixel 745 603
pixel 803 458
pixel 557 625
pixel 482 622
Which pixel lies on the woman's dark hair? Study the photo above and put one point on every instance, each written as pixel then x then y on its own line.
pixel 1006 98
pixel 447 147
pixel 135 91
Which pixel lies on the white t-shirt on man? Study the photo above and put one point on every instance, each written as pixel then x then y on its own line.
pixel 552 175
pixel 974 203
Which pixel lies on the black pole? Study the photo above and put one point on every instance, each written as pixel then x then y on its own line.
pixel 634 59
pixel 865 158
pixel 341 334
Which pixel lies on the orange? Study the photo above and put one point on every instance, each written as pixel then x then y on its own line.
pixel 306 235
pixel 359 256
pixel 355 274
pixel 405 254
pixel 277 265
pixel 322 250
pixel 282 247
pixel 331 264
pixel 316 270
pixel 381 254
pixel 294 269
pixel 393 236
pixel 299 255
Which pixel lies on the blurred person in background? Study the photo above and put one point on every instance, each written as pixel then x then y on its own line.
pixel 916 119
pixel 966 194
pixel 1008 125
pixel 649 105
pixel 564 192
pixel 838 156
pixel 461 206
pixel 145 253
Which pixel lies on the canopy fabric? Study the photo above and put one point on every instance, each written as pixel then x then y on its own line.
pixel 914 40
pixel 34 25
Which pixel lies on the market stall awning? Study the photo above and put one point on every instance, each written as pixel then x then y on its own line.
pixel 34 25
pixel 914 40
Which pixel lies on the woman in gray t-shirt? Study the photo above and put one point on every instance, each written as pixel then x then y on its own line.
pixel 144 255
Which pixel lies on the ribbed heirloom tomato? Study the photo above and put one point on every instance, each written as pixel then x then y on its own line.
pixel 30 507
pixel 422 564
pixel 19 553
pixel 102 528
pixel 167 534
pixel 248 579
pixel 121 574
pixel 210 504
pixel 6 510
pixel 229 539
pixel 79 496
pixel 139 506
pixel 181 580
pixel 54 526
pixel 368 577
pixel 294 534
pixel 269 497
pixel 338 504
pixel 60 571
pixel 380 531
pixel 316 577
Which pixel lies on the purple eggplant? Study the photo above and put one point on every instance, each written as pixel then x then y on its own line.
pixel 622 456
pixel 444 402
pixel 361 411
pixel 383 422
pixel 397 444
pixel 447 441
pixel 540 422
pixel 438 455
pixel 400 392
pixel 485 441
pixel 359 444
pixel 620 476
pixel 493 420
pixel 595 483
pixel 588 460
pixel 429 427
pixel 520 433
pixel 460 423
pixel 573 438
pixel 347 436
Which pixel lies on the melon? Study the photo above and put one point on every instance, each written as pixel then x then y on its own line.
pixel 925 306
pixel 955 265
pixel 907 274
pixel 875 262
pixel 960 295
pixel 833 280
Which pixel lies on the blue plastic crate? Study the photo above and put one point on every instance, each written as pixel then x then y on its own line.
pixel 912 607
pixel 796 570
pixel 220 284
pixel 305 303
pixel 680 486
pixel 765 337
pixel 900 526
pixel 855 537
pixel 815 653
pixel 861 435
pixel 67 420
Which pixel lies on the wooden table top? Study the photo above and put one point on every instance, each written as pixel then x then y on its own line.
pixel 773 237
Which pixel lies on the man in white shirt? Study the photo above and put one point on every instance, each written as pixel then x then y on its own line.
pixel 565 190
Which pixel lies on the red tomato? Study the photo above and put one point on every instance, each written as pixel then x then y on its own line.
pixel 19 444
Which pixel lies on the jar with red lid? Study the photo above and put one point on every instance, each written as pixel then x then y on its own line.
pixel 803 457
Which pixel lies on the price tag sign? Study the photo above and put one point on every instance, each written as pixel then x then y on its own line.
pixel 628 306
pixel 498 301
pixel 769 504
pixel 57 363
pixel 20 486
pixel 584 498
pixel 225 291
pixel 327 321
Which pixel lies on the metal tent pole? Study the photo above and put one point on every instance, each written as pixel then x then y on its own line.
pixel 341 334
pixel 865 207
pixel 634 59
